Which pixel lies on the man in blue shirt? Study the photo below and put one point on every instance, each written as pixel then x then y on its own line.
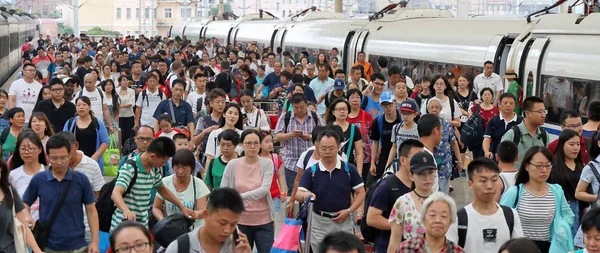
pixel 271 80
pixel 321 85
pixel 67 233
pixel 176 105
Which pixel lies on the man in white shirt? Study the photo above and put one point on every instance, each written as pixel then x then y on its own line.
pixel 193 97
pixel 270 66
pixel 484 225
pixel 97 97
pixel 489 79
pixel 24 92
pixel 176 68
pixel 147 102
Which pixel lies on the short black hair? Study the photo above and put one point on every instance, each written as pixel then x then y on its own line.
pixel 569 114
pixel 409 144
pixel 427 123
pixel 530 101
pixel 184 157
pixel 286 74
pixel 315 133
pixel 383 61
pixel 57 142
pixel 521 245
pixel 162 147
pixel 225 198
pixel 180 82
pixel 229 135
pixel 591 219
pixel 55 81
pixel 297 78
pixel 594 110
pixel 377 76
pixel 488 62
pixel 341 242
pixel 298 98
pixel 70 137
pixel 507 95
pixel 394 70
pixel 480 164
pixel 178 136
pixel 507 151
pixel 164 117
pixel 329 133
pixel 127 224
pixel 339 71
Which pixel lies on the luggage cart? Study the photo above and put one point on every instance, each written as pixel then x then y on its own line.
pixel 306 212
pixel 271 108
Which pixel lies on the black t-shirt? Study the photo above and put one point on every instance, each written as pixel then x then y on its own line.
pixel 307 79
pixel 345 142
pixel 386 139
pixel 86 138
pixel 419 99
pixel 331 97
pixel 463 102
pixel 384 199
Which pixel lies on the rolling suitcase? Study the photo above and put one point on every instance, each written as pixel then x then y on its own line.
pixel 306 213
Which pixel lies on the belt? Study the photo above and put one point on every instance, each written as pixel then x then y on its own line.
pixel 330 215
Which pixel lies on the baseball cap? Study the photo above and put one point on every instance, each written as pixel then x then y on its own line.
pixel 408 106
pixel 338 84
pixel 65 80
pixel 422 161
pixel 387 97
pixel 449 74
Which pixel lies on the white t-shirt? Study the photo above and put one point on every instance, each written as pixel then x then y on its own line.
pixel 148 105
pixel 486 233
pixel 126 100
pixel 170 135
pixel 446 109
pixel 26 94
pixel 186 197
pixel 20 180
pixel 212 146
pixel 268 69
pixel 192 99
pixel 258 118
pixel 96 99
pixel 493 82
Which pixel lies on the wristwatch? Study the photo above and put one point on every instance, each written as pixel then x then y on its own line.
pixel 349 212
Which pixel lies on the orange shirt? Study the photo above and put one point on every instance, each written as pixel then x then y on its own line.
pixel 367 68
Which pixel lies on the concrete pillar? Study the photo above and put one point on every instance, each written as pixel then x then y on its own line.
pixel 339 6
pixel 221 9
pixel 462 10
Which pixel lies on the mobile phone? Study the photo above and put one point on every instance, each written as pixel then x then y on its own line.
pixel 244 116
pixel 236 235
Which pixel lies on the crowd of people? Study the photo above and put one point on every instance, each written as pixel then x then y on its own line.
pixel 224 134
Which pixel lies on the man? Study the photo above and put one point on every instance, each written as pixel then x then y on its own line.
pixel 270 66
pixel 138 77
pixel 89 167
pixel 385 195
pixel 224 80
pixel 42 61
pixel 176 105
pixel 271 80
pixel 208 123
pixel 176 68
pixel 134 205
pixel 499 124
pixel 310 73
pixel 163 67
pixel 82 71
pixel 489 79
pixel 67 233
pixel 197 97
pixel 321 86
pixel 333 208
pixel 97 97
pixel 223 211
pixel 395 76
pixel 530 132
pixel 308 92
pixel 55 67
pixel 356 78
pixel 367 68
pixel 371 102
pixel 430 131
pixel 593 116
pixel 559 97
pixel 339 74
pixel 57 111
pixel 336 53
pixel 281 90
pixel 23 92
pixel 381 134
pixel 337 92
pixel 123 62
pixel 341 242
pixel 488 225
pixel 382 63
pixel 571 120
pixel 71 85
pixel 147 102
pixel 507 155
pixel 295 135
pixel 143 137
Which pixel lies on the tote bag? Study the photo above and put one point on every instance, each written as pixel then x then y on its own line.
pixel 111 157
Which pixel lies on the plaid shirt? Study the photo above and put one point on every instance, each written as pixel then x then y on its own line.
pixel 417 245
pixel 294 147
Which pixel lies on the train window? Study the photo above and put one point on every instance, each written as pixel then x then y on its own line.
pixel 565 93
pixel 14 41
pixel 4 50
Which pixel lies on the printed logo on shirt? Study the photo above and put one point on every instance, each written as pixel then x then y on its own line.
pixel 489 235
pixel 29 96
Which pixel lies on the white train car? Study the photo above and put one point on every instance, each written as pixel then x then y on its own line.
pixel 14 30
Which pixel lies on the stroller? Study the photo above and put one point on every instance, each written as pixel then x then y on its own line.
pixel 295 232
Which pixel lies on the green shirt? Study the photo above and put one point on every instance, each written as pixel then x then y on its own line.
pixel 515 90
pixel 9 145
pixel 214 174
pixel 526 142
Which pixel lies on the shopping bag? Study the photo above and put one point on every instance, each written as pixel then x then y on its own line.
pixel 111 157
pixel 288 240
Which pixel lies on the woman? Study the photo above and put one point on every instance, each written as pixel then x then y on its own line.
pixel 334 64
pixel 587 175
pixel 191 191
pixel 16 116
pixel 401 94
pixel 232 119
pixel 304 65
pixel 448 144
pixel 566 171
pixel 254 118
pixel 114 69
pixel 214 66
pixel 3 100
pixel 112 101
pixel 322 58
pixel 248 75
pixel 89 131
pixel 28 160
pixel 45 93
pixel 465 97
pixel 251 175
pixel 278 186
pixel 107 73
pixel 352 144
pixel 260 77
pixel 521 245
pixel 190 84
pixel 363 120
pixel 11 202
pixel 545 214
pixel 405 217
pixel 41 126
pixel 437 213
pixel 126 115
pixel 442 90
pixel 486 109
pixel 129 236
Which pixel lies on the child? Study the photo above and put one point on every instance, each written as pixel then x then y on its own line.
pixel 183 142
pixel 166 127
pixel 228 141
pixel 406 129
pixel 508 154
pixel 278 189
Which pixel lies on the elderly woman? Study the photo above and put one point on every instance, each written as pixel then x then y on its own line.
pixel 437 213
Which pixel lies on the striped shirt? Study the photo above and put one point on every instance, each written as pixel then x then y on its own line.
pixel 91 169
pixel 537 214
pixel 294 147
pixel 138 200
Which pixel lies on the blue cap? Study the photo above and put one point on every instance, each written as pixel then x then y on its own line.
pixel 408 106
pixel 339 84
pixel 387 97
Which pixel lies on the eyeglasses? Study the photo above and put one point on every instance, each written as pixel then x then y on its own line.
pixel 542 166
pixel 57 89
pixel 28 149
pixel 60 159
pixel 378 83
pixel 325 149
pixel 439 84
pixel 386 105
pixel 541 111
pixel 343 109
pixel 29 70
pixel 578 125
pixel 138 247
pixel 147 139
pixel 252 143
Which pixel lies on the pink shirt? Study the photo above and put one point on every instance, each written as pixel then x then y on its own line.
pixel 247 178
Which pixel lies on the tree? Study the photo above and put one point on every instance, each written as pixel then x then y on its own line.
pixel 226 8
pixel 99 31
pixel 62 29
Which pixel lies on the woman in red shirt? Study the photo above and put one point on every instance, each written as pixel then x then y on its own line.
pixel 363 121
pixel 486 109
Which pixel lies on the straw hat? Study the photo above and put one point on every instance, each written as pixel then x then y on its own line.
pixel 510 73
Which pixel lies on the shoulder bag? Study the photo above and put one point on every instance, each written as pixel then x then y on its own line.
pixel 42 229
pixel 19 232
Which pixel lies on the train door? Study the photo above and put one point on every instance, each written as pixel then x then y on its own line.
pixel 231 37
pixel 498 52
pixel 357 44
pixel 532 65
pixel 279 38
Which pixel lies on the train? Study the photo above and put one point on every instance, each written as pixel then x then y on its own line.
pixel 15 28
pixel 540 48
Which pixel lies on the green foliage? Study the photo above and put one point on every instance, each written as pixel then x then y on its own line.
pixel 99 31
pixel 62 29
pixel 226 8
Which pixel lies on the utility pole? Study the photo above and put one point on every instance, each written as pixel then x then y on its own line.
pixel 339 7
pixel 152 14
pixel 141 14
pixel 184 14
pixel 76 17
pixel 221 9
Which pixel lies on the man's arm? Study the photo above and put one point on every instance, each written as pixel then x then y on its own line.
pixel 169 196
pixel 375 219
pixel 12 100
pixel 107 117
pixel 92 215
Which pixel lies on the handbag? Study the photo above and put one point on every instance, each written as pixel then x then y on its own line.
pixel 19 232
pixel 173 226
pixel 111 157
pixel 42 229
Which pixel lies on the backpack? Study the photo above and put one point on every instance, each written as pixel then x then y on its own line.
pixel 4 135
pixel 145 96
pixel 105 205
pixel 72 124
pixel 208 122
pixel 370 233
pixel 288 116
pixel 364 103
pixel 517 135
pixel 463 222
pixel 99 92
pixel 471 133
pixel 199 102
pixel 596 202
pixel 183 244
pixel 129 146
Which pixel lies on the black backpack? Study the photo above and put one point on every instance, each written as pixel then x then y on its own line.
pixel 288 116
pixel 517 135
pixel 105 205
pixel 471 133
pixel 463 222
pixel 368 232
pixel 596 202
pixel 129 146
pixel 145 96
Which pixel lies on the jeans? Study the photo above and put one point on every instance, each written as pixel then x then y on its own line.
pixel 575 208
pixel 444 185
pixel 81 250
pixel 290 177
pixel 262 235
